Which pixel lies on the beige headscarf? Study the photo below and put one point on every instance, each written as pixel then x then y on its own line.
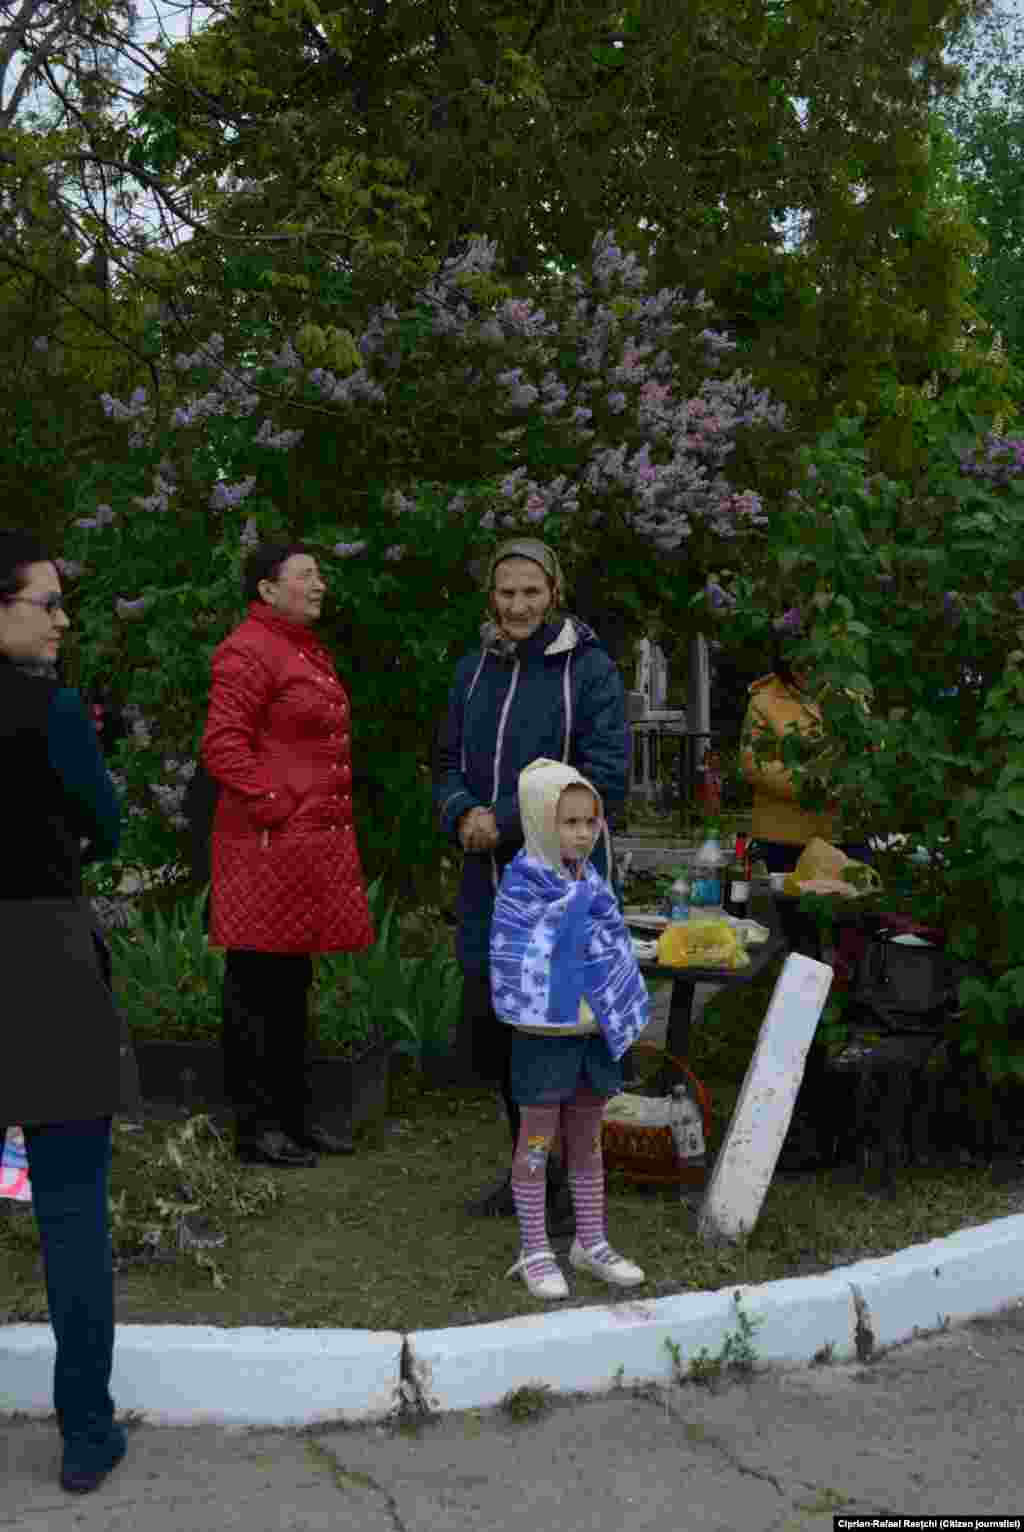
pixel 538 553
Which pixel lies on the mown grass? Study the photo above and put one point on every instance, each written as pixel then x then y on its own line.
pixel 381 1240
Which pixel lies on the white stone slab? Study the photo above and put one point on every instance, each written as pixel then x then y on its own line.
pixel 746 1162
pixel 177 1374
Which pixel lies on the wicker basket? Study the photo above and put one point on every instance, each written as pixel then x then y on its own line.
pixel 648 1154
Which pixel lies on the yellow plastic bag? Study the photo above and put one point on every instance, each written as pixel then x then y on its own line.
pixel 702 944
pixel 821 863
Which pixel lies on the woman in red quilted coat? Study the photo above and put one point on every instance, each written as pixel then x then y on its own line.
pixel 286 876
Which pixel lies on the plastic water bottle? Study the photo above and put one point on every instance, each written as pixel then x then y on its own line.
pixel 687 1125
pixel 706 889
pixel 679 900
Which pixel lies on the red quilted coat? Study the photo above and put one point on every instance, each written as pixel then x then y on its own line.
pixel 286 872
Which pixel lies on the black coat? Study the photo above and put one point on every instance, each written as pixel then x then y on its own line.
pixel 65 1050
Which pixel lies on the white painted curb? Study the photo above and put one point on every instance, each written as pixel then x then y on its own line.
pixel 188 1374
pixel 185 1374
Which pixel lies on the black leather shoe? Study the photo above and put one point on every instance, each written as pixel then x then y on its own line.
pixel 86 1461
pixel 274 1148
pixel 561 1217
pixel 325 1142
pixel 496 1203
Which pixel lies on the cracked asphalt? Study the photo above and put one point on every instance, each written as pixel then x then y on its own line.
pixel 930 1428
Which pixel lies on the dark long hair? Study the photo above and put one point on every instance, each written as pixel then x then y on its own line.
pixel 266 563
pixel 18 549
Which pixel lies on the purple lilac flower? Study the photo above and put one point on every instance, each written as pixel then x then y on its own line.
pixel 281 441
pixel 791 621
pixel 159 500
pixel 349 550
pixel 523 397
pixel 227 496
pixel 1018 600
pixel 116 410
pixel 1003 460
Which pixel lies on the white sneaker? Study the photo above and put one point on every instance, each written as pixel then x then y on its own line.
pixel 604 1262
pixel 540 1283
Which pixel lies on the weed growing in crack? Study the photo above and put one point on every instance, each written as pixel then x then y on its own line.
pixel 739 1353
pixel 737 1358
pixel 529 1402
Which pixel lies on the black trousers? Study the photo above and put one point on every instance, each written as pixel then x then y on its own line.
pixel 266 1039
pixel 483 1043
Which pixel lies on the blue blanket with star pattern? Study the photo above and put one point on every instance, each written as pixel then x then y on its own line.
pixel 555 942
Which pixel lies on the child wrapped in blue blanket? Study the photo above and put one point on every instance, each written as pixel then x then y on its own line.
pixel 563 974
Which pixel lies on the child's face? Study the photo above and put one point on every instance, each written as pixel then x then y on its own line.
pixel 578 823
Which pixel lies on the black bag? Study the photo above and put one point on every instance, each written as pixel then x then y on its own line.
pixel 903 987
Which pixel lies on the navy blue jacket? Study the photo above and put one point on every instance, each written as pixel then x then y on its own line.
pixel 556 694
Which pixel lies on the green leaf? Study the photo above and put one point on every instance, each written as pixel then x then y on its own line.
pixel 612 58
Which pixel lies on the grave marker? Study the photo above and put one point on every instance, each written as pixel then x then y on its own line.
pixel 746 1161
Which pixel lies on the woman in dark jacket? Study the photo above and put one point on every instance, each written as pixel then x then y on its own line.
pixel 286 876
pixel 539 685
pixel 68 1065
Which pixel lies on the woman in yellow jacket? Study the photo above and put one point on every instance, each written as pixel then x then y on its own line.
pixel 780 828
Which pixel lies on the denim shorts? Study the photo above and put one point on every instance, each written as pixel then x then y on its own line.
pixel 546 1070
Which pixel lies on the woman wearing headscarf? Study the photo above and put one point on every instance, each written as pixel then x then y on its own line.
pixel 68 1066
pixel 286 876
pixel 540 684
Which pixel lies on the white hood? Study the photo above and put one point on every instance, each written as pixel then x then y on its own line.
pixel 541 784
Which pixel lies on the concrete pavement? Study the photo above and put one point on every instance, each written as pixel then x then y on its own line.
pixel 932 1427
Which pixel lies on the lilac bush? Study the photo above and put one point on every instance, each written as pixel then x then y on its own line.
pixel 664 479
pixel 626 393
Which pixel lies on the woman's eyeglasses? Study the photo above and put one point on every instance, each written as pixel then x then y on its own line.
pixel 49 604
